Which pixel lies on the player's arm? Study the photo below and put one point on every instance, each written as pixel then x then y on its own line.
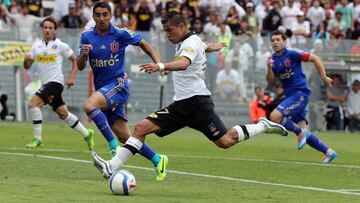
pixel 146 47
pixel 177 65
pixel 81 61
pixel 74 68
pixel 28 61
pixel 211 47
pixel 320 68
pixel 270 76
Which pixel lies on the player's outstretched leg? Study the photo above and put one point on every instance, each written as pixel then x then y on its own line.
pixel 102 165
pixel 37 124
pixel 101 123
pixel 160 161
pixel 273 128
pixel 75 124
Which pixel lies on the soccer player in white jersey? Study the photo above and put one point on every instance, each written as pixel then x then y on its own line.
pixel 49 53
pixel 192 104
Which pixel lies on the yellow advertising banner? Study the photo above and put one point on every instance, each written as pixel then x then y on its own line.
pixel 12 53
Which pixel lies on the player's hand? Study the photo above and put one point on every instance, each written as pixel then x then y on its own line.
pixel 270 62
pixel 70 82
pixel 85 49
pixel 149 67
pixel 327 81
pixel 27 57
pixel 219 45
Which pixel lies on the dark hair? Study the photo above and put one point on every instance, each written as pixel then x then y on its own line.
pixel 257 87
pixel 173 18
pixel 278 32
pixel 51 20
pixel 102 4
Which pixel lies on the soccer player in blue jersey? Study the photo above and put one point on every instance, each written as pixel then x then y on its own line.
pixel 285 64
pixel 104 48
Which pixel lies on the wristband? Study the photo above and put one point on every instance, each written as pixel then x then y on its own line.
pixel 161 67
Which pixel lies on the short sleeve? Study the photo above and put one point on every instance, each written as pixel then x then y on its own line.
pixel 188 50
pixel 82 42
pixel 300 55
pixel 66 50
pixel 128 37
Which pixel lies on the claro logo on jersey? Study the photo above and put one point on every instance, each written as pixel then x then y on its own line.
pixel 99 63
pixel 46 59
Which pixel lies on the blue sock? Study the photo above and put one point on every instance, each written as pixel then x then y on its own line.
pixel 316 143
pixel 290 125
pixel 101 123
pixel 148 153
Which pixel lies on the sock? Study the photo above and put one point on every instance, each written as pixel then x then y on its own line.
pixel 148 153
pixel 290 125
pixel 101 123
pixel 74 123
pixel 131 147
pixel 113 144
pixel 36 117
pixel 246 131
pixel 316 143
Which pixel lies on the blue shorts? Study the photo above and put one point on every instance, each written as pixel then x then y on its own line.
pixel 294 107
pixel 116 95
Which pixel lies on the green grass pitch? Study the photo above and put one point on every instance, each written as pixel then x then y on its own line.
pixel 267 168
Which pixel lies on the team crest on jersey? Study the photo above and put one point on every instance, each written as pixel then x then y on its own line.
pixel 50 98
pixel 54 46
pixel 114 46
pixel 287 63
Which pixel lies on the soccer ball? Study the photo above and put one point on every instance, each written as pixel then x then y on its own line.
pixel 122 182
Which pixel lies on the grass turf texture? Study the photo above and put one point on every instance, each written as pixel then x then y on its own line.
pixel 216 174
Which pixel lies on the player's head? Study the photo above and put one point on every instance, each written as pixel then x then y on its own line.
pixel 175 27
pixel 49 27
pixel 102 16
pixel 278 40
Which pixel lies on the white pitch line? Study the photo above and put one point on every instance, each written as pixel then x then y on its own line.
pixel 211 157
pixel 198 175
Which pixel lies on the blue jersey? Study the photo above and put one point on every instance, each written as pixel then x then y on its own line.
pixel 287 67
pixel 106 57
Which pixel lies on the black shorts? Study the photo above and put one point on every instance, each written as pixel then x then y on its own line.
pixel 196 112
pixel 51 93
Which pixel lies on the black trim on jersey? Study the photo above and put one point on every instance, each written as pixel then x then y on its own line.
pixel 188 35
pixel 132 149
pixel 75 124
pixel 246 132
pixel 37 121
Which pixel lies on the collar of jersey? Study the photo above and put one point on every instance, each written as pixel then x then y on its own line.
pixel 284 52
pixel 111 30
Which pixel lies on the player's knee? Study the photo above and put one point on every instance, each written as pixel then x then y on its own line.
pixel 276 116
pixel 88 106
pixel 223 143
pixel 62 114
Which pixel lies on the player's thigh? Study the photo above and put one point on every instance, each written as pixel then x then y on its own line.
pixel 293 105
pixel 163 122
pixel 62 111
pixel 96 100
pixel 116 93
pixel 36 101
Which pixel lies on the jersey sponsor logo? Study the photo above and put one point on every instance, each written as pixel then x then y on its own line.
pixel 288 73
pixel 46 59
pixel 100 63
pixel 114 46
pixel 287 63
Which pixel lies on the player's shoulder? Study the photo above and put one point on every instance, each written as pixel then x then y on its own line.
pixel 37 43
pixel 123 31
pixel 60 43
pixel 87 32
pixel 295 50
pixel 192 40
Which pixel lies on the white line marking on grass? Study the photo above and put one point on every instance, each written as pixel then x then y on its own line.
pixel 350 190
pixel 208 157
pixel 198 175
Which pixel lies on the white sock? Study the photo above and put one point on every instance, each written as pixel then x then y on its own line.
pixel 74 123
pixel 36 117
pixel 132 146
pixel 246 131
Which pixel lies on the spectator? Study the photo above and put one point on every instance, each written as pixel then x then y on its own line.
pixel 261 56
pixel 212 26
pixel 356 9
pixel 224 35
pixel 300 32
pixel 61 8
pixel 173 5
pixel 316 15
pixel 288 14
pixel 251 18
pixel 233 20
pixel 356 32
pixel 337 22
pixel 119 19
pixel 144 14
pixel 223 6
pixel 354 106
pixel 273 20
pixel 35 7
pixel 87 12
pixel 329 13
pixel 71 20
pixel 24 21
pixel 196 26
pixel 321 33
pixel 279 97
pixel 227 83
pixel 336 96
pixel 346 10
pixel 5 22
pixel 257 106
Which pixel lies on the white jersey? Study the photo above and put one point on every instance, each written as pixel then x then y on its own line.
pixel 190 82
pixel 49 59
